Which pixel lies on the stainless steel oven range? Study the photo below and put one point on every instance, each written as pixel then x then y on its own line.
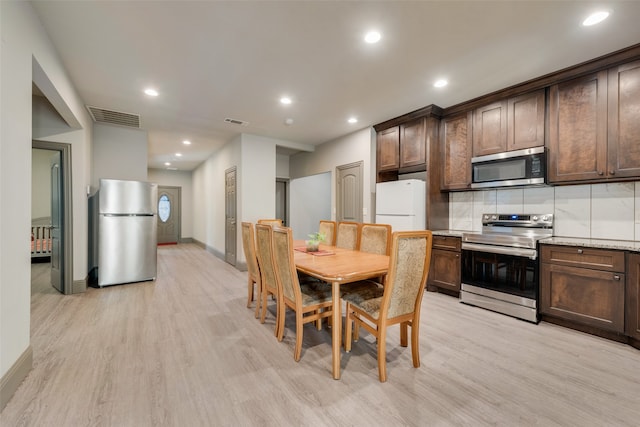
pixel 500 265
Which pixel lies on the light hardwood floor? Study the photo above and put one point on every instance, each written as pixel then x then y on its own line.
pixel 186 351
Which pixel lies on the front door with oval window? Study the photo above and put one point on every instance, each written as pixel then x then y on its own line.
pixel 168 215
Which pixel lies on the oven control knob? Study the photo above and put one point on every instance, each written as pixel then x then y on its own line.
pixel 494 217
pixel 545 218
pixel 535 218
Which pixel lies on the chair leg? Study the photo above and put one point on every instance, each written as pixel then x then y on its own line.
pixel 347 329
pixel 280 315
pixel 280 320
pixel 356 329
pixel 382 352
pixel 250 289
pixel 319 321
pixel 403 334
pixel 415 346
pixel 264 305
pixel 258 298
pixel 298 349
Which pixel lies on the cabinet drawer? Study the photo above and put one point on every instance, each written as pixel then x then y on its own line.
pixel 590 297
pixel 599 259
pixel 447 243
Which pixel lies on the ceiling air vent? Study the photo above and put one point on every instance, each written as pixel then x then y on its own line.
pixel 236 122
pixel 101 115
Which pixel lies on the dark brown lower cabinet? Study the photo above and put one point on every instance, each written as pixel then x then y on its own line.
pixel 591 297
pixel 632 324
pixel 584 286
pixel 444 272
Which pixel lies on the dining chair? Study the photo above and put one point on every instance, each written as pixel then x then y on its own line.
pixel 348 235
pixel 276 222
pixel 264 250
pixel 328 228
pixel 375 238
pixel 376 307
pixel 309 302
pixel 253 270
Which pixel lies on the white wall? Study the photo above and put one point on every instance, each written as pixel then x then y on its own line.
pixel 27 55
pixel 209 196
pixel 310 202
pixel 282 166
pixel 596 211
pixel 351 148
pixel 184 180
pixel 119 153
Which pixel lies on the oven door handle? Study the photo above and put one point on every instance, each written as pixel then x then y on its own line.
pixel 503 250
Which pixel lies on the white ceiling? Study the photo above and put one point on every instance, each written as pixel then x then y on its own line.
pixel 212 60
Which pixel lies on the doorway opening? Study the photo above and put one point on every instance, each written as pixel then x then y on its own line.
pixel 51 185
pixel 282 200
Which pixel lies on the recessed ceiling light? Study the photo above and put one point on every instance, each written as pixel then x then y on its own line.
pixel 352 120
pixel 151 92
pixel 595 18
pixel 178 154
pixel 167 163
pixel 186 142
pixel 285 100
pixel 372 37
pixel 441 83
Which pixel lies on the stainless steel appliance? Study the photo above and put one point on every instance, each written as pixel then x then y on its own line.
pixel 512 168
pixel 500 265
pixel 401 204
pixel 123 222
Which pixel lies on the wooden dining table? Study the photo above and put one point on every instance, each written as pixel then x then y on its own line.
pixel 338 266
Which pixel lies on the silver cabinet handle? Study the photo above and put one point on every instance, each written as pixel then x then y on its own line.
pixel 580 251
pixel 616 277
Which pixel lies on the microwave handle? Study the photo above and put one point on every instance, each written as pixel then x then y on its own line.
pixel 502 250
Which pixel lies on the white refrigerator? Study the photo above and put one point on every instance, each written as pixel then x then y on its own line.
pixel 401 204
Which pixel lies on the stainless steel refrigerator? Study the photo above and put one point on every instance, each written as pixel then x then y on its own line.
pixel 123 221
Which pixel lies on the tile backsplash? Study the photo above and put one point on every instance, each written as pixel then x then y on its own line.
pixel 597 211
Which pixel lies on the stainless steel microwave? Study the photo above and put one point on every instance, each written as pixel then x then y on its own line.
pixel 512 168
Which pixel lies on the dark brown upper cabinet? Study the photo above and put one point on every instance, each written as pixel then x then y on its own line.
pixel 413 144
pixel 512 124
pixel 578 129
pixel 456 140
pixel 525 121
pixel 594 126
pixel 624 121
pixel 490 129
pixel 388 149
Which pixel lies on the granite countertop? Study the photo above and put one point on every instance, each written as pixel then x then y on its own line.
pixel 624 245
pixel 450 233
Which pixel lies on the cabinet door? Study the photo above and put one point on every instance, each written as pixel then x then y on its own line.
pixel 413 150
pixel 624 121
pixel 490 129
pixel 590 297
pixel 578 129
pixel 388 149
pixel 456 143
pixel 525 121
pixel 444 271
pixel 632 303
